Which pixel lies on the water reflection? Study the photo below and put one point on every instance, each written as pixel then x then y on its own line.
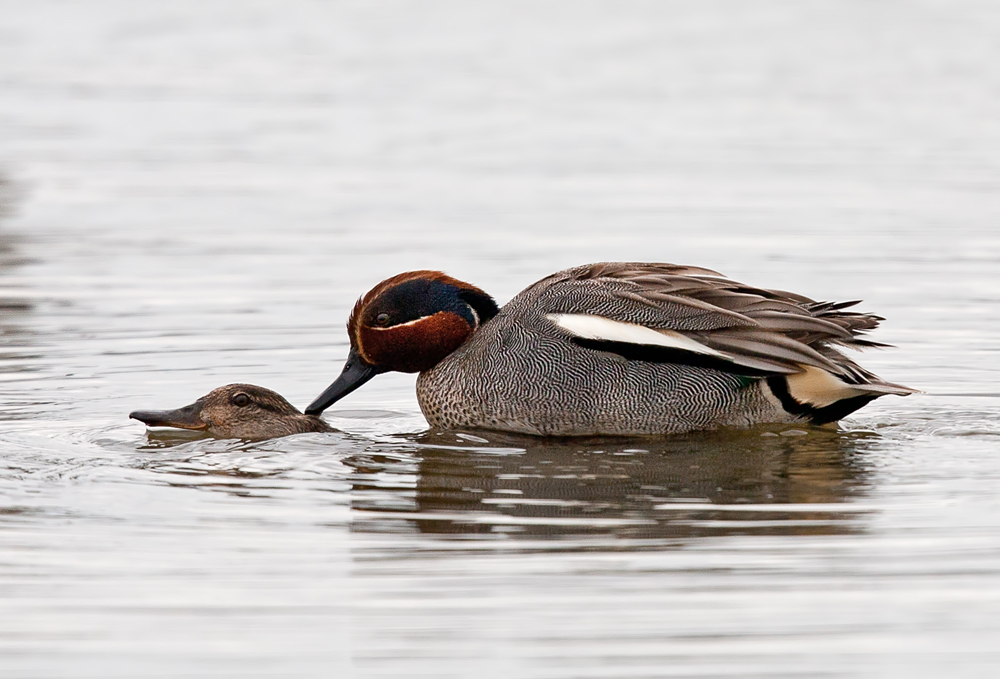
pixel 764 481
pixel 772 480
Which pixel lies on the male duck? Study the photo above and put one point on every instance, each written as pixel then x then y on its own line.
pixel 237 411
pixel 611 348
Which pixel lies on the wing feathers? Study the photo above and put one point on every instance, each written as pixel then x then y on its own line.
pixel 792 324
pixel 687 309
pixel 769 345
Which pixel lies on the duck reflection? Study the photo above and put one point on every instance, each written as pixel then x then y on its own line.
pixel 763 481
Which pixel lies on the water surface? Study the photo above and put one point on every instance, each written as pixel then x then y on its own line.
pixel 195 194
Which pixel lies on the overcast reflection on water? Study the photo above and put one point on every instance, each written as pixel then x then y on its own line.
pixel 195 193
pixel 504 486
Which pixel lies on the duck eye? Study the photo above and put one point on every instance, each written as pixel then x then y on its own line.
pixel 382 319
pixel 240 399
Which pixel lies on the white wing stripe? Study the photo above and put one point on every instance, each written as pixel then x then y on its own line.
pixel 593 327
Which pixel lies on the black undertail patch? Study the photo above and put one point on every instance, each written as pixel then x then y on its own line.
pixel 831 413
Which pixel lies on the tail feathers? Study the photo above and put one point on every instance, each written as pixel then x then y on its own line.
pixel 853 323
pixel 883 388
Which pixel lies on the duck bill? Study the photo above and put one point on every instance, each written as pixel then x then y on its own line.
pixel 188 417
pixel 356 372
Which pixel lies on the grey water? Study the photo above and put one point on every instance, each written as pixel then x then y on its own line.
pixel 195 193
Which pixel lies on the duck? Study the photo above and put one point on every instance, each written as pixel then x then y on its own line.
pixel 611 348
pixel 237 411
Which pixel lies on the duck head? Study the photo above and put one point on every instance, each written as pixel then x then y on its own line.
pixel 407 323
pixel 236 411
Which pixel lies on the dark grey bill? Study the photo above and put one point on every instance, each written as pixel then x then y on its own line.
pixel 356 372
pixel 188 417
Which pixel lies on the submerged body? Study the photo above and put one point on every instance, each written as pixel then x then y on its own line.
pixel 612 348
pixel 237 411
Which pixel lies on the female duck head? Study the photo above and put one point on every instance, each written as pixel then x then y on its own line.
pixel 237 411
pixel 407 323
